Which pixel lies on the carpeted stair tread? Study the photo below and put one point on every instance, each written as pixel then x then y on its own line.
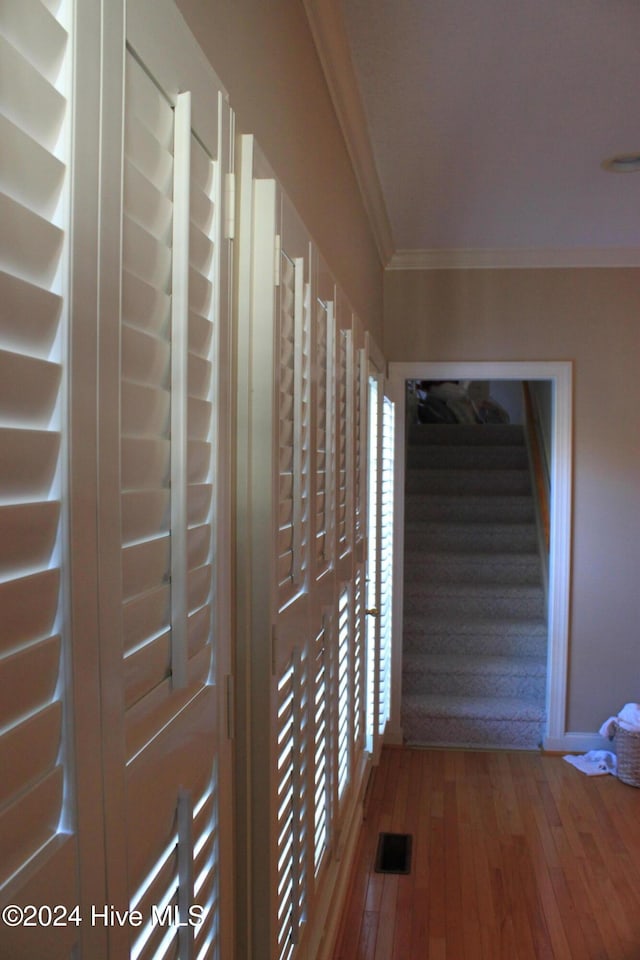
pixel 455 663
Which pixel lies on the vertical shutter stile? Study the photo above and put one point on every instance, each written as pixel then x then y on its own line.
pixel 179 358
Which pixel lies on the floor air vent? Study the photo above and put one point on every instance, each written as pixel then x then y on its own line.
pixel 394 853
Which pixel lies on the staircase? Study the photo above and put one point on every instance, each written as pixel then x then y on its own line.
pixel 475 636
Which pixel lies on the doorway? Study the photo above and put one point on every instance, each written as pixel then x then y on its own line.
pixel 559 375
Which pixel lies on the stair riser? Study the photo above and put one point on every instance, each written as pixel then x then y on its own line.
pixel 479 685
pixel 467 458
pixel 491 645
pixel 470 509
pixel 489 434
pixel 482 570
pixel 471 607
pixel 462 731
pixel 486 539
pixel 487 482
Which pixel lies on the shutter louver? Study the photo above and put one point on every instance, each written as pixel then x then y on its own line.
pixel 34 52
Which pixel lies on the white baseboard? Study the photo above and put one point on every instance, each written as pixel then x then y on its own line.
pixel 577 743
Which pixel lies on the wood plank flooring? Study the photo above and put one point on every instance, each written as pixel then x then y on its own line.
pixel 516 856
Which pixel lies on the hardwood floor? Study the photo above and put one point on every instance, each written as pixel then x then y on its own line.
pixel 516 856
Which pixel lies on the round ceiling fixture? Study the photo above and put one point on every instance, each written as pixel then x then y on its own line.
pixel 623 163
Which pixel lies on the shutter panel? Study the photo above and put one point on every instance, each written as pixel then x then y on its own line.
pixel 34 753
pixel 170 787
pixel 386 562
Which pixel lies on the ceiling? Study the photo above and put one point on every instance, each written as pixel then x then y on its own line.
pixel 478 127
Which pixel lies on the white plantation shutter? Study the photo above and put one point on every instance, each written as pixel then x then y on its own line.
pixel 300 427
pixel 164 614
pixel 35 824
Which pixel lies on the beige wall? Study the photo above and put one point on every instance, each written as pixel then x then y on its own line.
pixel 591 317
pixel 264 54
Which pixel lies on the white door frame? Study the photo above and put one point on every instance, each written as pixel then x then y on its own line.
pixel 560 373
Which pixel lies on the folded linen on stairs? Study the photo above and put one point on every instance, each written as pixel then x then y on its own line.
pixel 594 763
pixel 628 719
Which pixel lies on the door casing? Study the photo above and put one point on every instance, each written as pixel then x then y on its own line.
pixel 560 373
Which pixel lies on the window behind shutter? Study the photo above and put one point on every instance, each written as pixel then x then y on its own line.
pixel 34 754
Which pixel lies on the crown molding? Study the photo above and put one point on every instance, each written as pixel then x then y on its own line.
pixel 329 34
pixel 517 258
